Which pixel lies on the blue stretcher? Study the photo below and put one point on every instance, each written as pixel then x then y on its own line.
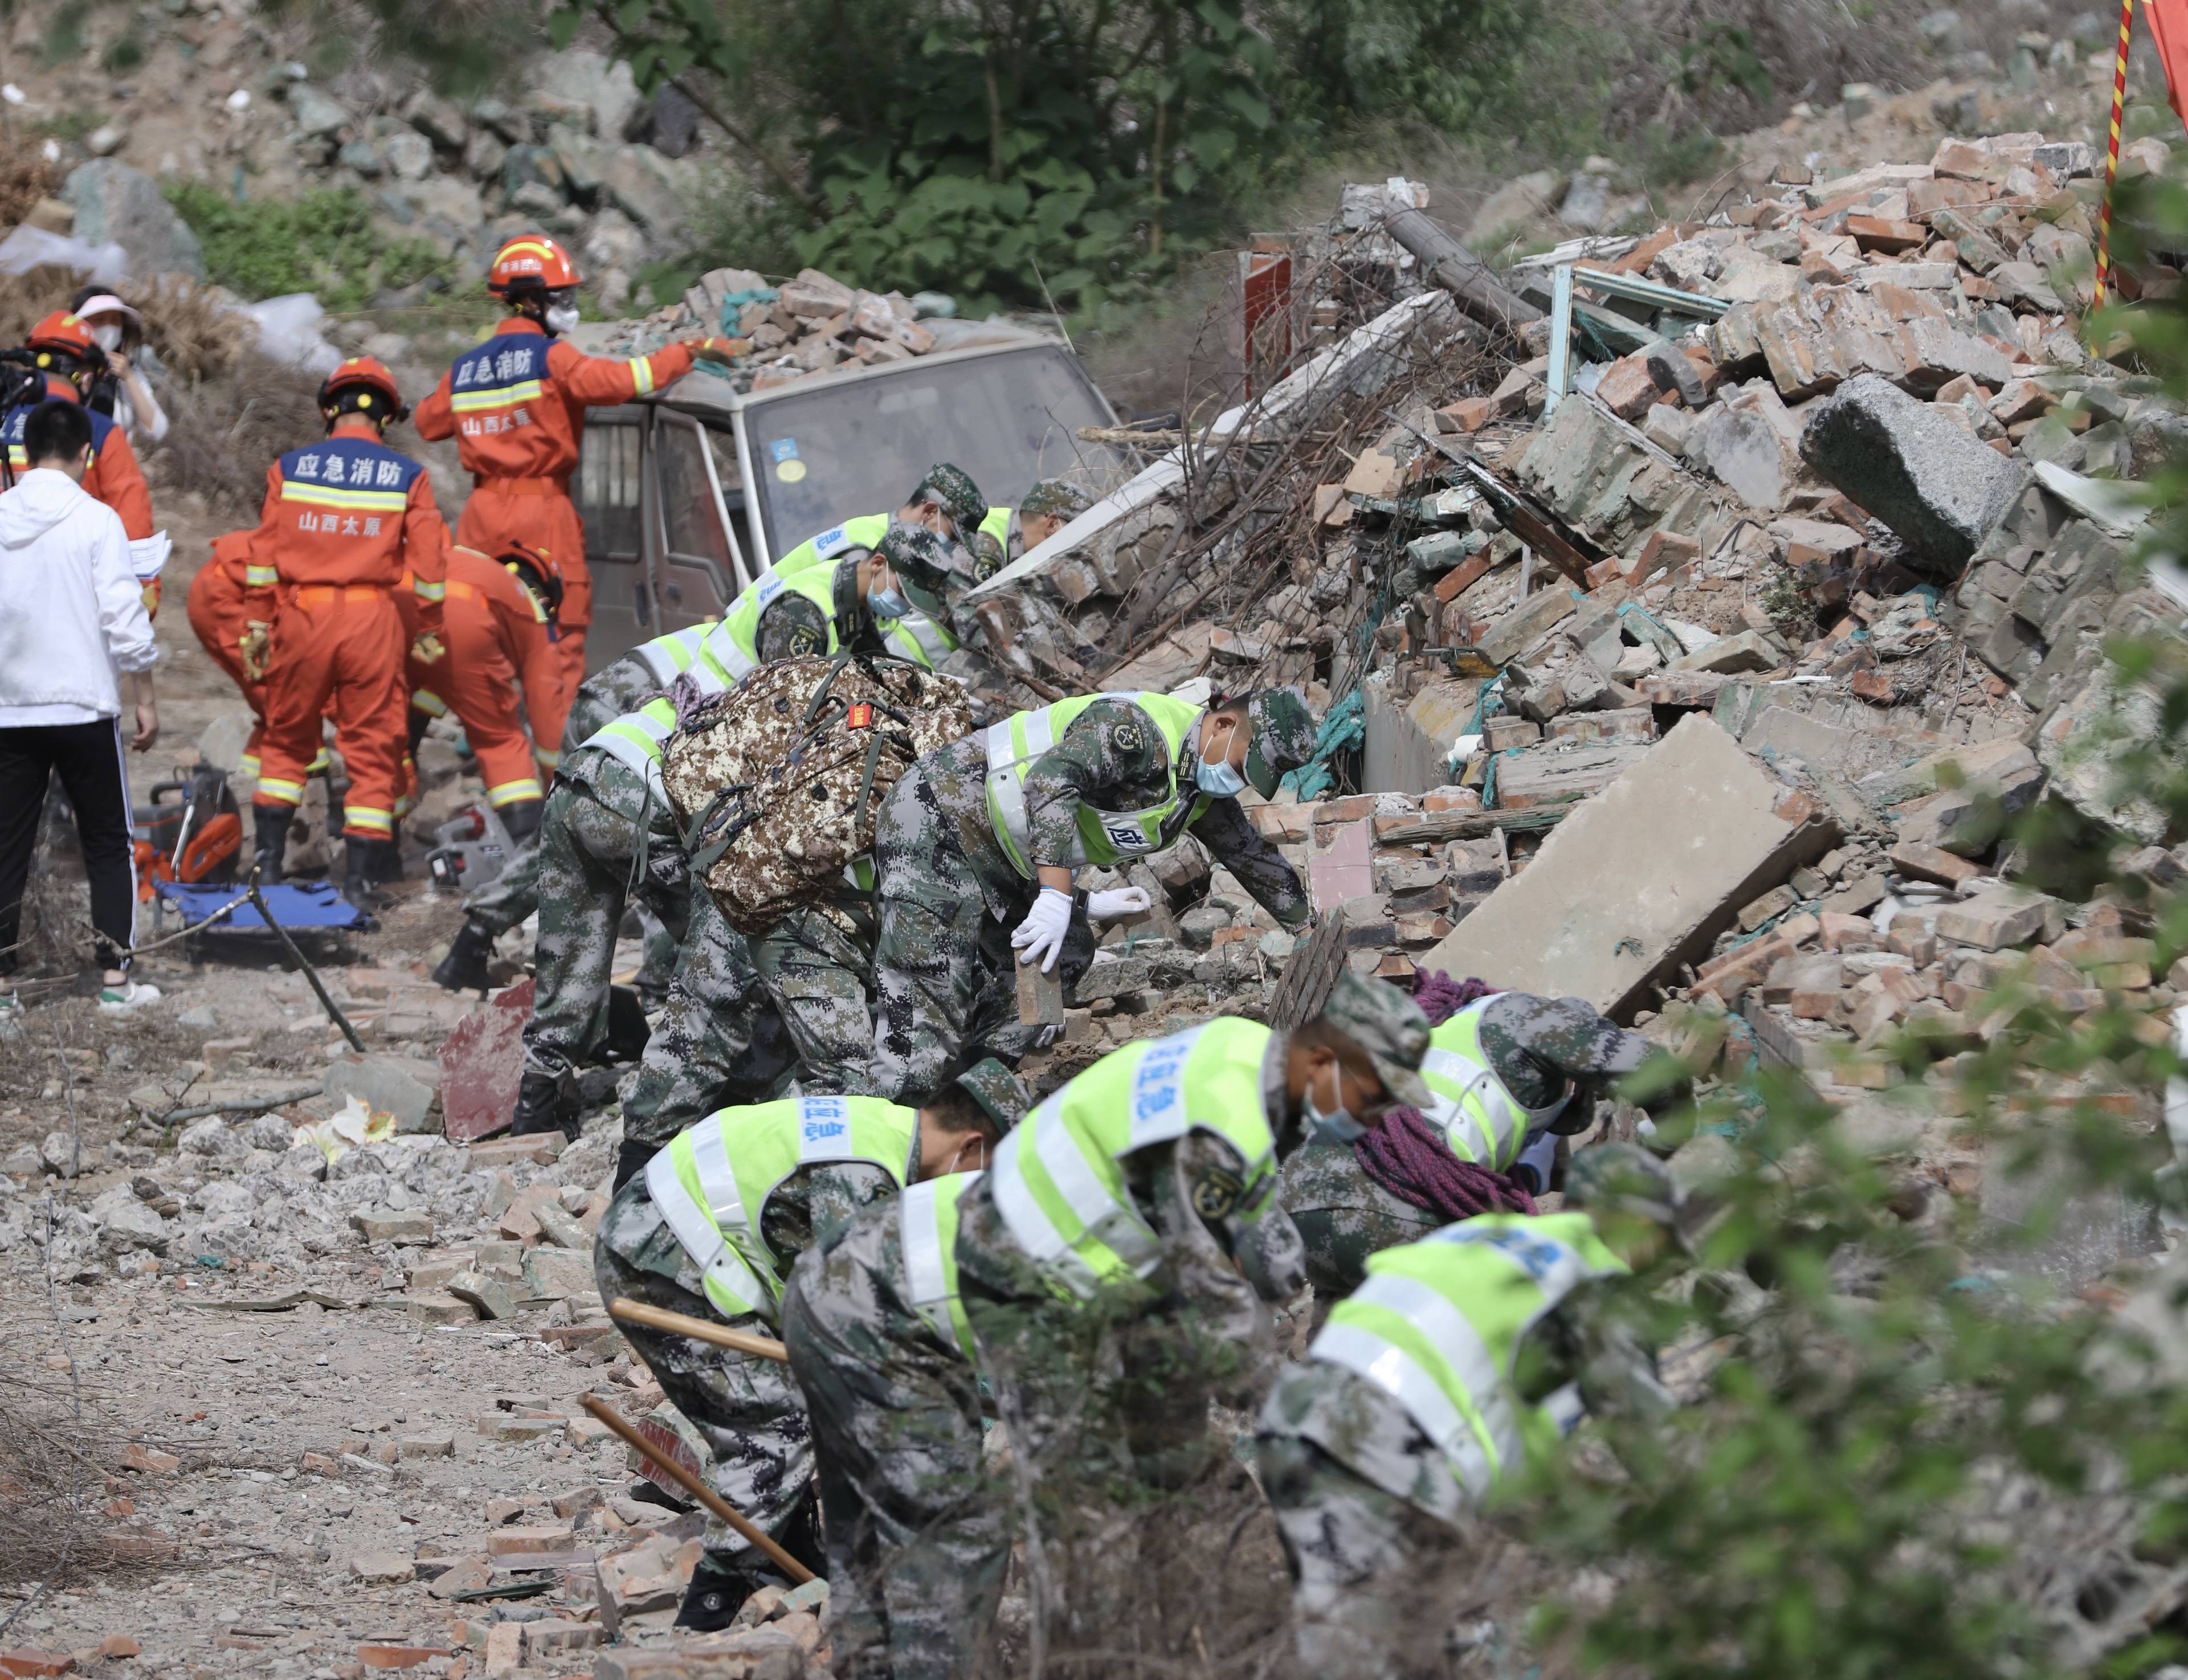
pixel 313 907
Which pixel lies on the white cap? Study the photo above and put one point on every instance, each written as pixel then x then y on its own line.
pixel 106 304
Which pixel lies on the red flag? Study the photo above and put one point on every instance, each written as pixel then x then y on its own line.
pixel 2168 24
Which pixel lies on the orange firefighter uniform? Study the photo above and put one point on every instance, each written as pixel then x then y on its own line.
pixel 114 477
pixel 344 520
pixel 499 638
pixel 215 607
pixel 516 405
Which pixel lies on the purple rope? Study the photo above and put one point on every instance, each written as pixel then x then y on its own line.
pixel 1440 997
pixel 1411 1159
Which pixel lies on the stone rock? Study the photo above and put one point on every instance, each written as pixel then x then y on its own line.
pixel 1939 489
pixel 59 1154
pixel 115 203
pixel 440 120
pixel 125 1223
pixel 648 188
pixel 106 140
pixel 1586 203
pixel 602 87
pixel 1643 877
pixel 302 1160
pixel 382 1569
pixel 1747 452
pixel 385 1226
pixel 557 1274
pixel 400 1086
pixel 410 155
pixel 317 115
pixel 1514 206
pixel 484 154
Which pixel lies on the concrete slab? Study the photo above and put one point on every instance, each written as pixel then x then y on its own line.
pixel 1408 746
pixel 1641 877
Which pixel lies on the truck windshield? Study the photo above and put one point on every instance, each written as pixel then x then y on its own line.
pixel 841 450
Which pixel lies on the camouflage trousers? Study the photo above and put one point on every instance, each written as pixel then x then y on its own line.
pixel 717 1040
pixel 918 1539
pixel 589 838
pixel 512 895
pixel 1364 1561
pixel 949 899
pixel 1344 1216
pixel 748 1411
pixel 818 977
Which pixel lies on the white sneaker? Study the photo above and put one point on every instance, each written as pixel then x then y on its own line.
pixel 128 995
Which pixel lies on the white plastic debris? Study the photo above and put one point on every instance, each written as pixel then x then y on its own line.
pixel 26 248
pixel 13 94
pixel 289 332
pixel 239 99
pixel 352 1124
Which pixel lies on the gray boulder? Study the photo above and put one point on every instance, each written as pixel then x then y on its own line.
pixel 605 89
pixel 118 203
pixel 1937 487
pixel 400 1086
pixel 125 1223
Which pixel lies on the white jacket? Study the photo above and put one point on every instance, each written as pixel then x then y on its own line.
pixel 72 612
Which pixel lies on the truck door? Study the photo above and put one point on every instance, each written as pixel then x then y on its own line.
pixel 701 567
pixel 609 491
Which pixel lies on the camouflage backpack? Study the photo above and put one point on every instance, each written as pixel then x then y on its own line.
pixel 776 783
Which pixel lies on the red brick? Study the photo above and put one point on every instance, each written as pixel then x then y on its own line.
pixel 148 1460
pixel 120 1645
pixel 1843 932
pixel 27 1660
pixel 1463 576
pixel 1627 388
pixel 1469 414
pixel 1874 233
pixel 399 1657
pixel 1932 863
pixel 1664 551
pixel 1871 686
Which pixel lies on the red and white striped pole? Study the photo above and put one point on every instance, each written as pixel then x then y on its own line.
pixel 2111 153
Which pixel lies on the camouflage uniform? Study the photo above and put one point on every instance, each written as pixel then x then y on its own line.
pixel 817 967
pixel 1050 496
pixel 949 897
pixel 918 1538
pixel 717 1040
pixel 1540 1047
pixel 792 626
pixel 748 1410
pixel 506 900
pixel 599 814
pixel 1368 1506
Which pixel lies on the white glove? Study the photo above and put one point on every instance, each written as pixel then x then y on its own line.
pixel 1116 904
pixel 1040 936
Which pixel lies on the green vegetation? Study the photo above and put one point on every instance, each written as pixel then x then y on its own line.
pixel 323 241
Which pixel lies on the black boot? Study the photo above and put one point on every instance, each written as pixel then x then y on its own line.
pixel 714 1597
pixel 274 822
pixel 464 969
pixel 541 1107
pixel 365 863
pixel 387 858
pixel 521 817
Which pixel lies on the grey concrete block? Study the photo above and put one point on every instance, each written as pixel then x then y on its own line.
pixel 1937 486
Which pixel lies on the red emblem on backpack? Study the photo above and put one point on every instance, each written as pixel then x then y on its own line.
pixel 858 717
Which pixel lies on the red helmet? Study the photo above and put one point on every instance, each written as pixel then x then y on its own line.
pixel 64 336
pixel 365 376
pixel 532 568
pixel 530 263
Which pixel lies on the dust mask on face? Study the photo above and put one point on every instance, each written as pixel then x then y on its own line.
pixel 1216 777
pixel 888 603
pixel 561 317
pixel 107 337
pixel 1335 1124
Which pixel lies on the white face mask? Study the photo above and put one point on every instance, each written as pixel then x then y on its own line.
pixel 107 337
pixel 1215 776
pixel 1334 1124
pixel 561 317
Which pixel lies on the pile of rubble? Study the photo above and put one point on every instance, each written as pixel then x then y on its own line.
pixel 1830 477
pixel 812 324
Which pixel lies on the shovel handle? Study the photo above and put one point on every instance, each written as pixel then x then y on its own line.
pixel 625 1310
pixel 698 1490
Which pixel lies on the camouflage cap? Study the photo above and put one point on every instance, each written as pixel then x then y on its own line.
pixel 928 565
pixel 1626 1177
pixel 953 488
pixel 1000 1092
pixel 1389 1028
pixel 1055 497
pixel 1283 737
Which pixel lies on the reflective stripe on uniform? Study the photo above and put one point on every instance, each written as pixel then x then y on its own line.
pixel 917 638
pixel 367 816
pixel 928 1234
pixel 1479 1118
pixel 669 656
pixel 495 397
pixel 430 591
pixel 1057 1179
pixel 1391 1370
pixel 288 793
pixel 429 702
pixel 641 374
pixel 258 576
pixel 353 501
pixel 508 792
pixel 1438 1325
pixel 636 738
pixel 1014 745
pixel 728 1281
